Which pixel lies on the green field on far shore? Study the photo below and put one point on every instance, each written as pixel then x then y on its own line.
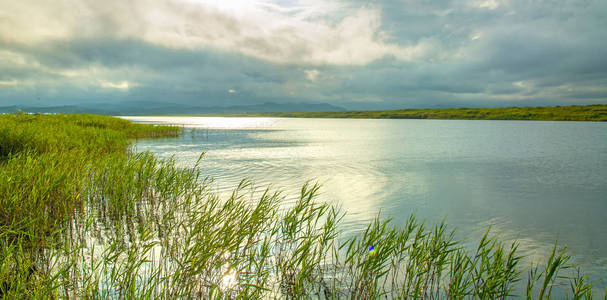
pixel 596 112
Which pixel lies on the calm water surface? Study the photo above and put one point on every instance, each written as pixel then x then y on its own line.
pixel 532 181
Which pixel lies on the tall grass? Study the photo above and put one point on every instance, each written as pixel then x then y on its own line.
pixel 82 217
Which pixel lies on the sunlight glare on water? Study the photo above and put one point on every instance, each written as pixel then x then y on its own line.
pixel 210 122
pixel 535 182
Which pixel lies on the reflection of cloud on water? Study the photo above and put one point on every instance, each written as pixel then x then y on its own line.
pixel 355 189
pixel 534 248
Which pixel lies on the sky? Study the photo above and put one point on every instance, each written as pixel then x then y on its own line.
pixel 355 54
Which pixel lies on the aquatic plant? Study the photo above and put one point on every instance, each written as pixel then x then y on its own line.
pixel 83 217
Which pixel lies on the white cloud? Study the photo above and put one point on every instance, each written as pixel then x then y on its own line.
pixel 488 4
pixel 520 84
pixel 122 85
pixel 231 91
pixel 310 33
pixel 8 82
pixel 312 74
pixel 276 36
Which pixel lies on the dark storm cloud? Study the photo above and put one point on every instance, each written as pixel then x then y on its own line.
pixel 77 53
pixel 160 73
pixel 409 54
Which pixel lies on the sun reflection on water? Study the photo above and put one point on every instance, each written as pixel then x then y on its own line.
pixel 229 279
pixel 210 122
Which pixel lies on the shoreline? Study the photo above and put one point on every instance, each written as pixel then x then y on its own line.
pixel 572 113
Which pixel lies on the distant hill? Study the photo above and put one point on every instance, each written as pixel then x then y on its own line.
pixel 155 108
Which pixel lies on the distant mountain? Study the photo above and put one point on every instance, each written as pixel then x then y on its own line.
pixel 156 108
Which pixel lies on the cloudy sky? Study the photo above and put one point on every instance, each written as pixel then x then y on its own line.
pixel 356 54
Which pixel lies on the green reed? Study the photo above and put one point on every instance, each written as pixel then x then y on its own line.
pixel 82 217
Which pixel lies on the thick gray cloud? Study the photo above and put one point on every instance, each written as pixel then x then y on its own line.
pixel 358 54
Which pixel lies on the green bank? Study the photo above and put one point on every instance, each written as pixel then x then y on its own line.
pixel 82 216
pixel 597 113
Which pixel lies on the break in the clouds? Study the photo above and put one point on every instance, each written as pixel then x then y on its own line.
pixel 357 54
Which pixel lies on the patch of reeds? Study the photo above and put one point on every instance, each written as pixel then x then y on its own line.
pixel 82 217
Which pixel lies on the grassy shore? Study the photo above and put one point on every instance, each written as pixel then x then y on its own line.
pixel 597 113
pixel 83 217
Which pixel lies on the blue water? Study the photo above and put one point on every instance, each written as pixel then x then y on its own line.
pixel 533 181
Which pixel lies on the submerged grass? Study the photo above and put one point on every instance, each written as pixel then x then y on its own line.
pixel 82 217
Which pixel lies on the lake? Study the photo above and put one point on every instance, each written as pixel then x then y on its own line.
pixel 536 182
